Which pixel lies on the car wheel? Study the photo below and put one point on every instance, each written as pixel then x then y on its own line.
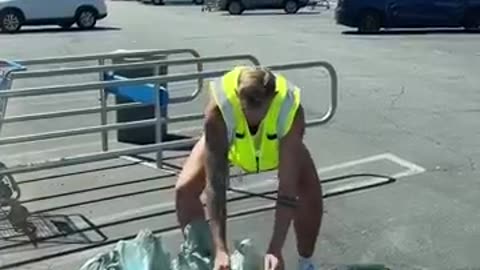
pixel 86 18
pixel 158 2
pixel 369 22
pixel 235 8
pixel 198 2
pixel 11 21
pixel 290 6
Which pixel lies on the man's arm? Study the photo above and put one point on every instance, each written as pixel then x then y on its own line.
pixel 288 173
pixel 217 173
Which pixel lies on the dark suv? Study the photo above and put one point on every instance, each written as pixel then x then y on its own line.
pixel 371 15
pixel 236 7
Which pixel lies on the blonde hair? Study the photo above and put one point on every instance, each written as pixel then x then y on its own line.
pixel 258 81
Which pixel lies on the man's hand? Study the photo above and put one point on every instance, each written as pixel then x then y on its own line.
pixel 273 262
pixel 222 261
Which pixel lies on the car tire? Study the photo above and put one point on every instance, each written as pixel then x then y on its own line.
pixel 11 21
pixel 158 2
pixel 86 18
pixel 235 8
pixel 370 22
pixel 198 2
pixel 290 6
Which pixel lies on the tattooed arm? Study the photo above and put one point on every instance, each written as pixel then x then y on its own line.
pixel 217 173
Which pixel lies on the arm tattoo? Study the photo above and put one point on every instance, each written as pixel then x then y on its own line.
pixel 217 172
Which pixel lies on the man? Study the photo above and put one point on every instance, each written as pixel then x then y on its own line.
pixel 255 121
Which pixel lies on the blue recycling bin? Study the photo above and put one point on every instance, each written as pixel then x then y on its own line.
pixel 143 93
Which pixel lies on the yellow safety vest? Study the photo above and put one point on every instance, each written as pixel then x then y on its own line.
pixel 277 122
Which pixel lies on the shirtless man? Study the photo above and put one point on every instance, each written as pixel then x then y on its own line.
pixel 256 122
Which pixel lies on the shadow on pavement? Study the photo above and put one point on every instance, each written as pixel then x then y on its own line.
pixel 414 32
pixel 60 30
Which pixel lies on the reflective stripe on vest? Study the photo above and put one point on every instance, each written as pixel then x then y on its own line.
pixel 275 125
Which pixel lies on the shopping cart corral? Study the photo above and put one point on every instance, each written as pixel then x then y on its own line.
pixel 143 91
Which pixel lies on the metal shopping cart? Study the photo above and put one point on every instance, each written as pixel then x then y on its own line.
pixel 13 216
pixel 6 68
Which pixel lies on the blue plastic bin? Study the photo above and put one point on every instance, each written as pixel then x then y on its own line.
pixel 143 93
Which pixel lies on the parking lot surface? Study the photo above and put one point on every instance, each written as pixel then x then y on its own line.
pixel 408 108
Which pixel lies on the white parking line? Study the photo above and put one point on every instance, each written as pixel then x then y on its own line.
pixel 412 169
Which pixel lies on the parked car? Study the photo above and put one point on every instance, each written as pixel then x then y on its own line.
pixel 162 2
pixel 237 7
pixel 16 13
pixel 372 15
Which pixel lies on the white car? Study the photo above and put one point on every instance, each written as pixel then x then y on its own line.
pixel 85 13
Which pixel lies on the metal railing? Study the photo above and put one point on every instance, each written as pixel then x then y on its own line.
pixel 157 147
pixel 104 108
pixel 101 59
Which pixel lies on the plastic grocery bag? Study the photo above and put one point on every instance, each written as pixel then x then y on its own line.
pixel 146 252
pixel 196 251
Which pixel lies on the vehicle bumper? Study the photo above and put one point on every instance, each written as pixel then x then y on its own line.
pixel 102 16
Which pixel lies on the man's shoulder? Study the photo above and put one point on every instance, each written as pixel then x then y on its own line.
pixel 212 111
pixel 213 117
pixel 297 129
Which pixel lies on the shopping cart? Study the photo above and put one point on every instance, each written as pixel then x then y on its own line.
pixel 6 68
pixel 13 216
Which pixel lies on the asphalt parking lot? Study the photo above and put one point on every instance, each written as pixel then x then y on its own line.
pixel 407 106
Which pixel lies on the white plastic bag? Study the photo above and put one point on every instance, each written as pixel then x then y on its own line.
pixel 144 253
pixel 246 256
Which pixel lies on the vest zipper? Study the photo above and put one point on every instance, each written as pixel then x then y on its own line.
pixel 257 159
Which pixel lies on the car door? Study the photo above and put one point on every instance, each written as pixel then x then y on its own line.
pixel 69 7
pixel 63 8
pixel 33 9
pixel 42 9
pixel 405 13
pixel 446 12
